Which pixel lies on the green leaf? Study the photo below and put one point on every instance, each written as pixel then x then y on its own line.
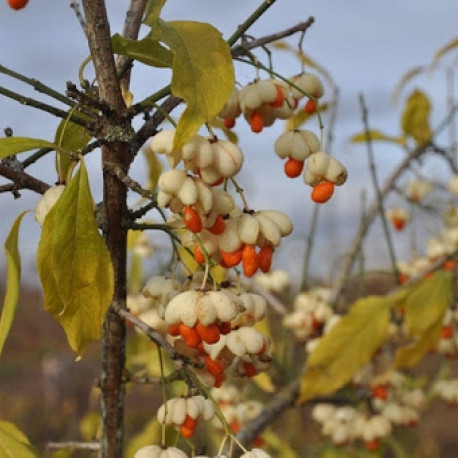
pixel 153 10
pixel 203 73
pixel 15 145
pixel 415 118
pixel 424 308
pixel 14 443
pixel 70 137
pixel 377 135
pixel 147 51
pixel 74 264
pixel 13 280
pixel 348 346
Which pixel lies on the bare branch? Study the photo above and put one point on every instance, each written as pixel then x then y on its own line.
pixel 23 180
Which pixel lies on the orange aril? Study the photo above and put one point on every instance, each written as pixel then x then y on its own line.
pixel 209 334
pixel 218 226
pixel 229 123
pixel 233 258
pixel 250 260
pixel 322 192
pixel 256 122
pixel 278 102
pixel 198 254
pixel 293 167
pixel 310 107
pixel 192 219
pixel 265 258
pixel 189 335
pixel 188 426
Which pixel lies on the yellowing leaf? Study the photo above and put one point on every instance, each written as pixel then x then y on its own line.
pixel 74 265
pixel 189 263
pixel 377 135
pixel 276 444
pixel 148 51
pixel 203 73
pixel 347 347
pixel 424 308
pixel 404 80
pixel 264 381
pixel 153 10
pixel 14 443
pixel 415 118
pixel 444 50
pixel 154 168
pixel 151 434
pixel 219 274
pixel 15 145
pixel 13 280
pixel 69 137
pixel 301 117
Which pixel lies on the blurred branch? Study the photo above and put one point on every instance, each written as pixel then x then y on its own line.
pixel 355 246
pixel 378 194
pixel 74 5
pixel 23 180
pixel 73 445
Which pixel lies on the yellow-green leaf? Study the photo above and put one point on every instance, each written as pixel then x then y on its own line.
pixel 377 135
pixel 300 117
pixel 151 434
pixel 69 137
pixel 148 51
pixel 404 80
pixel 153 9
pixel 348 346
pixel 154 168
pixel 415 118
pixel 15 145
pixel 14 443
pixel 74 264
pixel 424 308
pixel 188 261
pixel 13 280
pixel 277 445
pixel 203 73
pixel 444 50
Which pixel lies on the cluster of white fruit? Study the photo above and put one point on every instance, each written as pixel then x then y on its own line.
pixel 214 327
pixel 448 343
pixel 263 101
pixel 184 412
pixel 253 453
pixel 344 425
pixel 311 311
pixel 157 451
pixel 210 158
pixel 398 216
pixel 447 390
pixel 276 281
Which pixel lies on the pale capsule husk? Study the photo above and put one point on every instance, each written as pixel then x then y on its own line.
pixel 336 172
pixel 297 144
pixel 197 153
pixel 223 202
pixel 47 201
pixel 183 308
pixel 286 110
pixel 206 311
pixel 282 220
pixel 248 229
pixel 149 451
pixel 173 452
pixel 159 286
pixel 235 344
pixel 315 168
pixel 310 85
pixel 210 174
pixel 227 305
pixel 171 181
pixel 192 407
pixel 232 107
pixel 255 310
pixel 204 202
pixel 255 453
pixel 253 341
pixel 162 142
pixel 269 229
pixel 227 158
pixel 188 192
pixel 230 240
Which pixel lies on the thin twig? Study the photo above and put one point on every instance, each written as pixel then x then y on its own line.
pixel 301 27
pixel 23 180
pixel 378 194
pixel 74 5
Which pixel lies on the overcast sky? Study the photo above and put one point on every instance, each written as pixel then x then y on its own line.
pixel 366 46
